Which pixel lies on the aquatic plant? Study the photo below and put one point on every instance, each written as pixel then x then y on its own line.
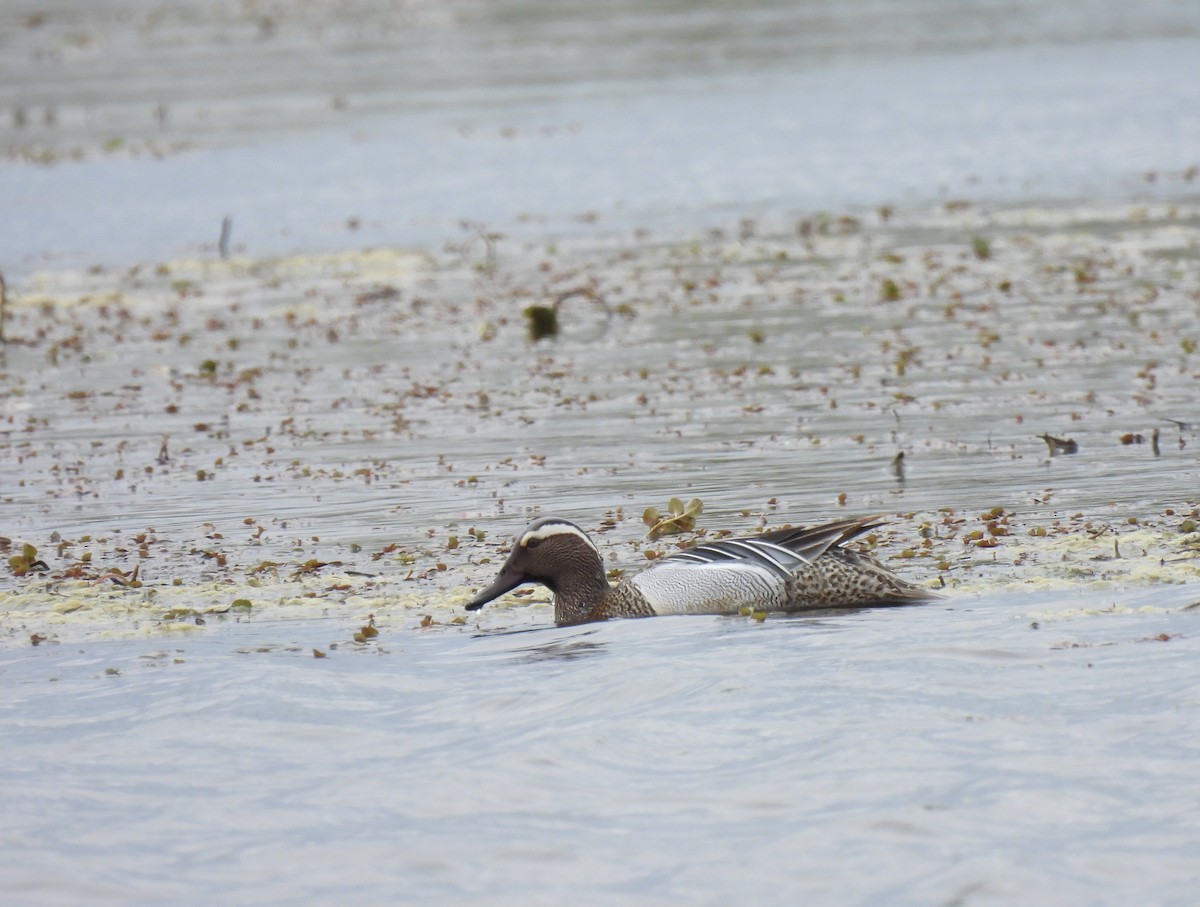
pixel 540 322
pixel 27 561
pixel 679 517
pixel 1059 445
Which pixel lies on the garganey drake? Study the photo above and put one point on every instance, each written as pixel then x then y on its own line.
pixel 798 569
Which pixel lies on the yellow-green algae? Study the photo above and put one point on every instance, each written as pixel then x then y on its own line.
pixel 1072 561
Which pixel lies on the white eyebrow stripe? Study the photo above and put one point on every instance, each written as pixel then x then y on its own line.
pixel 552 529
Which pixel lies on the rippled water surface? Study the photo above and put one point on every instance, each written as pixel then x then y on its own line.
pixel 807 260
pixel 986 752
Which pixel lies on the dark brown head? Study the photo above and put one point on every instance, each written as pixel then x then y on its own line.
pixel 555 553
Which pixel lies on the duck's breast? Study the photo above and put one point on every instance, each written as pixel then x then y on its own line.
pixel 678 587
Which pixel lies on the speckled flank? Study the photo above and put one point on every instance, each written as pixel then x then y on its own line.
pixel 683 588
pixel 842 579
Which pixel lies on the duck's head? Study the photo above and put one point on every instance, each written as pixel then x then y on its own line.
pixel 550 551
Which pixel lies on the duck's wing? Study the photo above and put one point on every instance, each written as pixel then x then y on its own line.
pixel 781 551
pixel 742 554
pixel 810 542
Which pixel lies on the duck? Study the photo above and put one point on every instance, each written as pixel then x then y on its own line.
pixel 798 568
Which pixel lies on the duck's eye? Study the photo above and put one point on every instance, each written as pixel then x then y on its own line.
pixel 532 543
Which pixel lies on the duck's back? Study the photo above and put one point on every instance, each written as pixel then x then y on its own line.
pixel 781 570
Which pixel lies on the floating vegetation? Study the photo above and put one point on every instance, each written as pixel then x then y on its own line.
pixel 368 631
pixel 348 399
pixel 120 577
pixel 26 560
pixel 1059 445
pixel 679 517
pixel 541 322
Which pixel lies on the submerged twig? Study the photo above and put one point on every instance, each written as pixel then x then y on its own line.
pixel 489 239
pixel 542 321
pixel 120 577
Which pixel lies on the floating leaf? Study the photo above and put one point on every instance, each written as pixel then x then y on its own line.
pixel 1059 445
pixel 680 517
pixel 27 561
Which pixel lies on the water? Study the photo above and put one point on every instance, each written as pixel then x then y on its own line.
pixel 823 236
pixel 277 411
pixel 912 757
pixel 663 117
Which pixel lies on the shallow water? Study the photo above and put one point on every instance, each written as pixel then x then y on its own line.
pixel 219 423
pixel 944 754
pixel 831 237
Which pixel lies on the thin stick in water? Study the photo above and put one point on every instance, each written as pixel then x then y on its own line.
pixel 223 243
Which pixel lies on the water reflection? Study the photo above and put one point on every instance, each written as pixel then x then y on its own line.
pixel 558 648
pixel 562 650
